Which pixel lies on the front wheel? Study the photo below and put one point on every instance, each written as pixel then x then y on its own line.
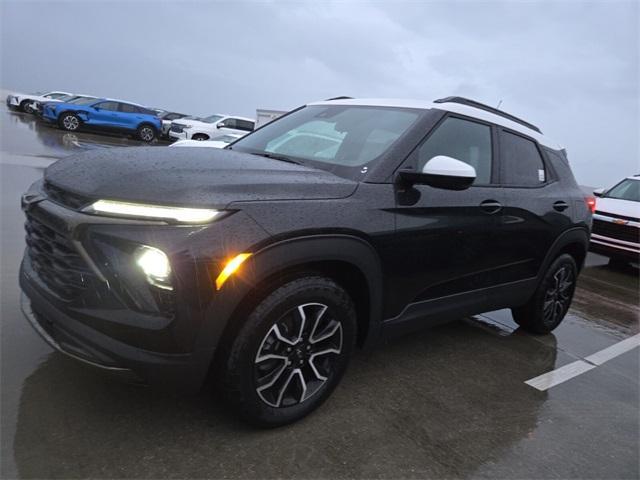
pixel 25 106
pixel 291 352
pixel 69 122
pixel 146 133
pixel 552 299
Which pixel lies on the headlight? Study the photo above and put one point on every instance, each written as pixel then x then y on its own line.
pixel 154 212
pixel 155 265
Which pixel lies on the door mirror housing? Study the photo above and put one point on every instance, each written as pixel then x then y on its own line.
pixel 220 125
pixel 442 172
pixel 599 192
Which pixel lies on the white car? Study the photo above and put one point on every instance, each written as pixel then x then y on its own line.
pixel 22 101
pixel 210 127
pixel 217 142
pixel 37 105
pixel 616 221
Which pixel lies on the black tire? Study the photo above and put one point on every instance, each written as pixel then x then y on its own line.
pixel 70 122
pixel 552 299
pixel 269 392
pixel 201 137
pixel 146 133
pixel 24 106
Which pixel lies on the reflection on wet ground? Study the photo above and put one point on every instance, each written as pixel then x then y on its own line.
pixel 24 135
pixel 448 402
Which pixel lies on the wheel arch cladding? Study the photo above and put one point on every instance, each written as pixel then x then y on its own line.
pixel 574 242
pixel 349 261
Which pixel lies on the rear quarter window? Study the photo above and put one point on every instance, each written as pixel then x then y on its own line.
pixel 522 164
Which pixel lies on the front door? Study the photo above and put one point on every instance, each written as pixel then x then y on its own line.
pixel 104 114
pixel 448 239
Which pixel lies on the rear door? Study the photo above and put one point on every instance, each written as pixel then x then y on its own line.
pixel 536 207
pixel 448 240
pixel 129 116
pixel 235 125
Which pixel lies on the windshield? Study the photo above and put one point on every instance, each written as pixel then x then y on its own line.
pixel 212 119
pixel 331 136
pixel 82 101
pixel 626 190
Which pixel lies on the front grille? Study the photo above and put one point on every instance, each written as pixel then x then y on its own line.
pixel 616 215
pixel 56 261
pixel 65 198
pixel 616 231
pixel 177 128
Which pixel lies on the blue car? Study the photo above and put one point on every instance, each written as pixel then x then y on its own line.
pixel 104 114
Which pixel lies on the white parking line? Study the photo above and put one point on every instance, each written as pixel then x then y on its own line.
pixel 555 377
pixel 613 351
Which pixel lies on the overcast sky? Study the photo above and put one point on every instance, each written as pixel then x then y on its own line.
pixel 572 68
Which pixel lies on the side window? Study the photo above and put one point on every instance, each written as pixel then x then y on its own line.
pixel 464 140
pixel 229 123
pixel 127 108
pixel 111 106
pixel 245 125
pixel 521 161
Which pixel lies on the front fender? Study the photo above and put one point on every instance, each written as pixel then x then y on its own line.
pixel 283 255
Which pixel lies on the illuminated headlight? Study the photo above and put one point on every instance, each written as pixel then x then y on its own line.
pixel 155 265
pixel 152 212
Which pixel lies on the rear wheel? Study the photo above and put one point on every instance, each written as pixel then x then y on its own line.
pixel 69 121
pixel 291 352
pixel 146 133
pixel 552 299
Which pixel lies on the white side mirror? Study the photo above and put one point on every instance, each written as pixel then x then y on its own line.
pixel 442 165
pixel 599 192
pixel 448 173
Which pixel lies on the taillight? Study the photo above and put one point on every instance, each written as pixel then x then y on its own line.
pixel 591 203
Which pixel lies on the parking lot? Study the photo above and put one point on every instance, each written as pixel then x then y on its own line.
pixel 447 402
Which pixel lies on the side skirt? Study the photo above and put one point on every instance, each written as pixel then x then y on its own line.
pixel 429 313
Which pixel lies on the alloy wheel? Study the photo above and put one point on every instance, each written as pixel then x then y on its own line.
pixel 71 122
pixel 558 296
pixel 146 134
pixel 297 355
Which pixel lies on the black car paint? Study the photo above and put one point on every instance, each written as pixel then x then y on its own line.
pixel 412 255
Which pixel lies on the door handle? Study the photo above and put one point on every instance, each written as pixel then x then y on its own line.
pixel 490 206
pixel 560 206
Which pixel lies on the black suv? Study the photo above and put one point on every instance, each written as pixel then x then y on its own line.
pixel 266 263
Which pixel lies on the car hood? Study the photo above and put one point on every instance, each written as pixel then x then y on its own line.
pixel 33 98
pixel 617 206
pixel 191 177
pixel 195 123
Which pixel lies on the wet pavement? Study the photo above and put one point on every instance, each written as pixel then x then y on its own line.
pixel 447 402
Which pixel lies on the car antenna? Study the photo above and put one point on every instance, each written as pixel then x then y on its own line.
pixel 499 103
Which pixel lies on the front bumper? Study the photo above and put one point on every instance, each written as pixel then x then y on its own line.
pixel 111 318
pixel 178 135
pixel 613 248
pixel 12 102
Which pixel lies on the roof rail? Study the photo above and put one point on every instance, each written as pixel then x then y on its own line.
pixel 339 98
pixel 487 108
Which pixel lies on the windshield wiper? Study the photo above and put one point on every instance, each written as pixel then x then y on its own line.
pixel 276 156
